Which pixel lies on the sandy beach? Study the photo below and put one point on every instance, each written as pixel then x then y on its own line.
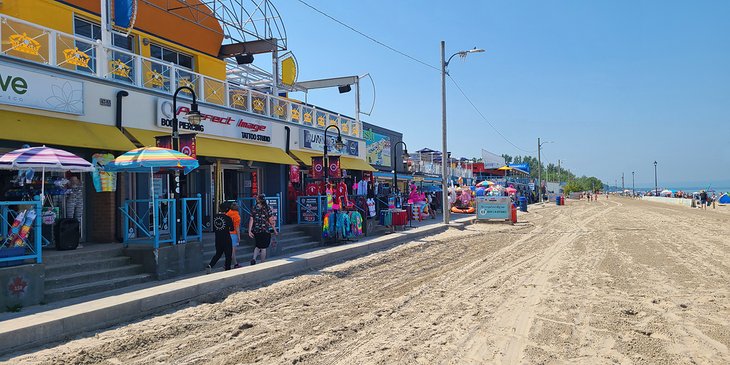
pixel 618 281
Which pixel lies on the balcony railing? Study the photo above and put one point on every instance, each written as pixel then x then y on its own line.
pixel 31 42
pixel 426 167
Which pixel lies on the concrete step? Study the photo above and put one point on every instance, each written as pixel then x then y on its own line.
pixel 285 250
pixel 292 240
pixel 76 278
pixel 54 270
pixel 85 254
pixel 94 287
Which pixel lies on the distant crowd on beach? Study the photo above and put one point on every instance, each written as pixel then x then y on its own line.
pixel 701 199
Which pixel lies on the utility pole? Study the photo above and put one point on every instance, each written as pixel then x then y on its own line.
pixel 539 172
pixel 633 185
pixel 623 187
pixel 558 175
pixel 444 170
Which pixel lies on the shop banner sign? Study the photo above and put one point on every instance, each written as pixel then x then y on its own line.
pixel 294 174
pixel 493 207
pixel 315 141
pixel 186 143
pixel 104 181
pixel 378 148
pixel 317 167
pixel 216 122
pixel 308 209
pixel 334 166
pixel 273 203
pixel 40 91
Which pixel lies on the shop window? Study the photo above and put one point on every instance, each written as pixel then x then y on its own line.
pixel 92 31
pixel 183 61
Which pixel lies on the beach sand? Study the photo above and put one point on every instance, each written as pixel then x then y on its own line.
pixel 617 281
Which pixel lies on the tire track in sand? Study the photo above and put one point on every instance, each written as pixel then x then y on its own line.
pixel 517 314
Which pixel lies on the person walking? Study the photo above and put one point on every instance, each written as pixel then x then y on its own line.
pixel 714 200
pixel 703 200
pixel 235 236
pixel 258 228
pixel 222 226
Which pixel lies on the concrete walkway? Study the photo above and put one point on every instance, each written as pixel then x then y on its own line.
pixel 41 325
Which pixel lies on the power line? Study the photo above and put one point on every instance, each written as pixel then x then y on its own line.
pixel 416 60
pixel 369 37
pixel 485 118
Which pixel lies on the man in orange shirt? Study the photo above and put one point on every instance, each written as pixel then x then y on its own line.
pixel 235 236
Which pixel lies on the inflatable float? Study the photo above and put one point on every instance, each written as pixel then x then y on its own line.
pixel 469 210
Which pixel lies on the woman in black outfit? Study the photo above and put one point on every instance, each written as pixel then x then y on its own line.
pixel 258 228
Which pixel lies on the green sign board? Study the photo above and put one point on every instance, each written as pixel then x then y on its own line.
pixel 493 207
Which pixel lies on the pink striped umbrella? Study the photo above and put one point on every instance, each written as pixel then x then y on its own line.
pixel 44 158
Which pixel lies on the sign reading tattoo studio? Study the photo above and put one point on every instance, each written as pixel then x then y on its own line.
pixel 215 122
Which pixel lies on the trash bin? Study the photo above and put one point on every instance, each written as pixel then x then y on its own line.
pixel 557 200
pixel 523 203
pixel 562 200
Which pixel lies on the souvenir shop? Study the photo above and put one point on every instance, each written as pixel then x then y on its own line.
pixel 345 203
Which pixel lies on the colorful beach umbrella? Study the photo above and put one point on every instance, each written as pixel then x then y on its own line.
pixel 45 159
pixel 148 159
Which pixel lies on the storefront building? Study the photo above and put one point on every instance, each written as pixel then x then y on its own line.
pixel 383 153
pixel 61 86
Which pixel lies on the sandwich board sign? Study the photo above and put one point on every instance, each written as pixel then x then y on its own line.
pixel 493 207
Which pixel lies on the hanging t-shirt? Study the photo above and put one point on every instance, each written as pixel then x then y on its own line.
pixel 312 189
pixel 371 207
pixel 341 189
pixel 362 187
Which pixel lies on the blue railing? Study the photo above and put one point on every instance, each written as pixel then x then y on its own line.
pixel 16 244
pixel 192 218
pixel 136 221
pixel 245 206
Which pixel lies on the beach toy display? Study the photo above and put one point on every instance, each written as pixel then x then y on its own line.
pixel 463 202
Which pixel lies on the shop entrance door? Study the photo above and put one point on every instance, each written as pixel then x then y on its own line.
pixel 237 184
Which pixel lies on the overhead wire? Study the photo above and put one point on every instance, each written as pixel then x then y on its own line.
pixel 418 61
pixel 369 37
pixel 485 118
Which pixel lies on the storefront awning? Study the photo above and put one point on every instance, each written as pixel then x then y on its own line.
pixel 347 163
pixel 211 147
pixel 39 129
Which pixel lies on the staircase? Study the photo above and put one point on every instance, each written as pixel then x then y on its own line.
pixel 290 239
pixel 89 270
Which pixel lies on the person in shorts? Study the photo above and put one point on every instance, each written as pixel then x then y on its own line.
pixel 703 199
pixel 235 236
pixel 260 228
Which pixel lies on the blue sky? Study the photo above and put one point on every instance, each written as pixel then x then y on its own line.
pixel 614 84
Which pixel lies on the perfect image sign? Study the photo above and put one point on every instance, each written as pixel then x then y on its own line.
pixel 493 207
pixel 216 122
pixel 40 91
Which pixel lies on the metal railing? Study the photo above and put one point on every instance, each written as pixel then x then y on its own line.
pixel 138 229
pixel 20 234
pixel 246 205
pixel 34 43
pixel 192 218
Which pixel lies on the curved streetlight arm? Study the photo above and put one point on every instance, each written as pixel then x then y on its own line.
pixel 463 54
pixel 395 167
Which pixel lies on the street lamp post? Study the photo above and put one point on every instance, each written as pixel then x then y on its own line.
pixel 325 160
pixel 193 117
pixel 656 185
pixel 633 185
pixel 338 145
pixel 395 167
pixel 444 65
